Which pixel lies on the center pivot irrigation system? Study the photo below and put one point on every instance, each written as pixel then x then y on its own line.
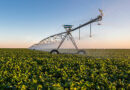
pixel 63 35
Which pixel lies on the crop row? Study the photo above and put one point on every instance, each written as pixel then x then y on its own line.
pixel 28 69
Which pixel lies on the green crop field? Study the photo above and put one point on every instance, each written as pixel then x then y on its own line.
pixel 99 69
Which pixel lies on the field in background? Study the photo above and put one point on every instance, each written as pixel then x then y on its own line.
pixel 115 53
pixel 30 69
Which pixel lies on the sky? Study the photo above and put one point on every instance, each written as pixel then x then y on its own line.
pixel 26 22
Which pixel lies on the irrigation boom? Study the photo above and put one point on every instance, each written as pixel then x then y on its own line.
pixel 63 35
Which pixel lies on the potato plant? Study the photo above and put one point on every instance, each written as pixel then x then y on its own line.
pixel 29 69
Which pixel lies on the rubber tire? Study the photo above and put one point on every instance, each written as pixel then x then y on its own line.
pixel 54 51
pixel 81 52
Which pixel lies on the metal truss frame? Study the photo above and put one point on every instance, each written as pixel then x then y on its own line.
pixel 60 37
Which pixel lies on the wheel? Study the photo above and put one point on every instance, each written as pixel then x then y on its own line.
pixel 54 52
pixel 81 52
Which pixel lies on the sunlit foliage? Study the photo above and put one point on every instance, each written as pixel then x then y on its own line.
pixel 28 69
